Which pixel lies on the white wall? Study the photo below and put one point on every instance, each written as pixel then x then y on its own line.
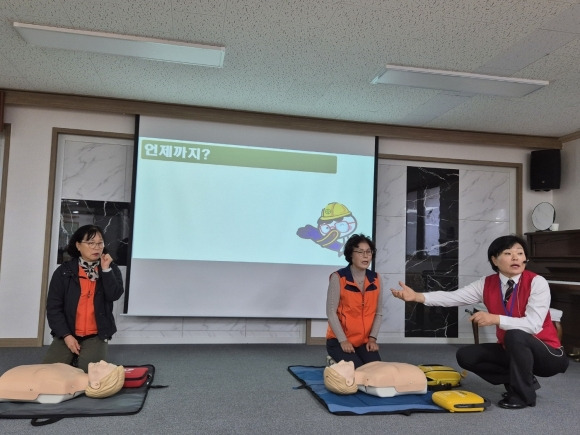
pixel 23 247
pixel 567 198
pixel 530 198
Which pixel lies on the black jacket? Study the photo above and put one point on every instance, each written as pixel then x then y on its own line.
pixel 63 298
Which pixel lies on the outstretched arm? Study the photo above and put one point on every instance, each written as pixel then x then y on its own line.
pixel 466 295
pixel 407 294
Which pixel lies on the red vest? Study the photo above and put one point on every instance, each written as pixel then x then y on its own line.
pixel 516 306
pixel 356 310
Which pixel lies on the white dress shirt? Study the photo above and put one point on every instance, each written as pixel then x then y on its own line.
pixel 536 309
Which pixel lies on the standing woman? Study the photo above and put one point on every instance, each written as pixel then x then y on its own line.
pixel 79 307
pixel 354 306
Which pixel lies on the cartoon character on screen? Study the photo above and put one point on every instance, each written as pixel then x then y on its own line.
pixel 335 224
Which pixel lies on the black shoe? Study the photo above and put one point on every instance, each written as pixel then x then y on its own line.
pixel 507 404
pixel 535 384
pixel 512 403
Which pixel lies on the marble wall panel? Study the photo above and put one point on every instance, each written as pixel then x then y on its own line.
pixel 390 243
pixel 431 240
pixel 473 249
pixel 96 171
pixel 485 205
pixel 111 217
pixel 215 324
pixel 391 189
pixel 393 309
pixel 484 196
pixel 290 326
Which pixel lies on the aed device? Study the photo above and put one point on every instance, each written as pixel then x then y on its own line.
pixel 440 376
pixel 460 401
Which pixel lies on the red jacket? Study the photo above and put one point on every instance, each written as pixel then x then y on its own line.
pixel 516 307
pixel 356 310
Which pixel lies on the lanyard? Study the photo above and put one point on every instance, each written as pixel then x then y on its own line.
pixel 512 299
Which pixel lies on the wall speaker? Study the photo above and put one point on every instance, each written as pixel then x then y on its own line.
pixel 545 170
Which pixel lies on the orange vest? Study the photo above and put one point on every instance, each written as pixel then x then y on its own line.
pixel 356 310
pixel 86 323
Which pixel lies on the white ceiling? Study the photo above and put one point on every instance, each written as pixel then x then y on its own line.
pixel 317 58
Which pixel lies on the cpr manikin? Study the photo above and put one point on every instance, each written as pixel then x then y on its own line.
pixel 55 383
pixel 379 378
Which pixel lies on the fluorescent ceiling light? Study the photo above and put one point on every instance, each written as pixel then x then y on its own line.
pixel 462 82
pixel 122 45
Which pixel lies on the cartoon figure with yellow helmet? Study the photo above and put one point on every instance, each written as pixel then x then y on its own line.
pixel 335 224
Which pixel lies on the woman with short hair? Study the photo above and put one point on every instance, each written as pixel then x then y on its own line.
pixel 517 302
pixel 354 305
pixel 79 306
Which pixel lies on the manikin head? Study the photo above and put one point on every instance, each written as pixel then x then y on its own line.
pixel 105 379
pixel 339 378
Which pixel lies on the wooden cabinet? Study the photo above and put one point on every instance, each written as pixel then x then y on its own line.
pixel 556 256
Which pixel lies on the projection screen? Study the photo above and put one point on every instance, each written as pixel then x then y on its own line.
pixel 242 221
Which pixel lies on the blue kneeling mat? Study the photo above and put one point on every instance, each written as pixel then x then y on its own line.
pixel 361 403
pixel 126 402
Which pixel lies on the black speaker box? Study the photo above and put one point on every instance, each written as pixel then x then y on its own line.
pixel 545 169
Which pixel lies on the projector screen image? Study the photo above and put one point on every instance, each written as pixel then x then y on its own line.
pixel 236 221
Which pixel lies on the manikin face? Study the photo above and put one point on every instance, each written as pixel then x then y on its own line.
pixel 98 371
pixel 91 249
pixel 362 256
pixel 511 262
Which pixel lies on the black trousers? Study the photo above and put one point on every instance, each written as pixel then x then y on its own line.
pixel 360 356
pixel 515 365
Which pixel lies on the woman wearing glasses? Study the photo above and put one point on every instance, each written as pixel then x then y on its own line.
pixel 79 307
pixel 354 306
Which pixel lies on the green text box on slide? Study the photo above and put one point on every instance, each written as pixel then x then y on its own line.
pixel 237 156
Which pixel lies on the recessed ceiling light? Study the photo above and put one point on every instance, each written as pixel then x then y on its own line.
pixel 122 45
pixel 462 82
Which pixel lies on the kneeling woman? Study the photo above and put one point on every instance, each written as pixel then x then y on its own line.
pixel 354 306
pixel 79 307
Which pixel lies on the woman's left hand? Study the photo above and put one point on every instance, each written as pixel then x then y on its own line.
pixel 372 345
pixel 483 318
pixel 106 261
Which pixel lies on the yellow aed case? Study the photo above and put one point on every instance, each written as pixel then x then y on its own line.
pixel 440 375
pixel 460 401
